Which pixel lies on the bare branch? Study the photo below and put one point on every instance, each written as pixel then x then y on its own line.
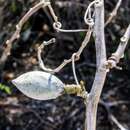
pixel 113 13
pixel 116 103
pixel 19 26
pixel 53 13
pixel 41 63
pixel 110 115
pixel 92 99
pixel 115 58
pixel 121 127
pixel 66 61
pixel 94 95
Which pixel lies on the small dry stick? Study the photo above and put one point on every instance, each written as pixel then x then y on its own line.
pixel 111 116
pixel 113 13
pixel 120 126
pixel 41 63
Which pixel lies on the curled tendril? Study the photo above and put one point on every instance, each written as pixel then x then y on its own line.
pixel 88 17
pixel 57 26
pixel 73 68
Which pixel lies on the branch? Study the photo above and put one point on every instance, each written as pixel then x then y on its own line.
pixel 94 95
pixel 115 58
pixel 111 116
pixel 66 61
pixel 19 26
pixel 113 13
pixel 120 126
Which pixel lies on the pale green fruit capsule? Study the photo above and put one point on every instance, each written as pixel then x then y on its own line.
pixel 39 85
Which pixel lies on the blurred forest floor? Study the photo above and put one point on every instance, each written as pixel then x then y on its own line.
pixel 18 112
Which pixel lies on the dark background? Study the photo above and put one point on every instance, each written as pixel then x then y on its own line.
pixel 18 112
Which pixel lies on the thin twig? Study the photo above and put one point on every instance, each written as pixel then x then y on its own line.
pixel 41 63
pixel 19 26
pixel 111 116
pixel 115 58
pixel 113 13
pixel 116 103
pixel 121 127
pixel 66 61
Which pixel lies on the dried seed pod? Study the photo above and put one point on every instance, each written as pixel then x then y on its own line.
pixel 39 85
